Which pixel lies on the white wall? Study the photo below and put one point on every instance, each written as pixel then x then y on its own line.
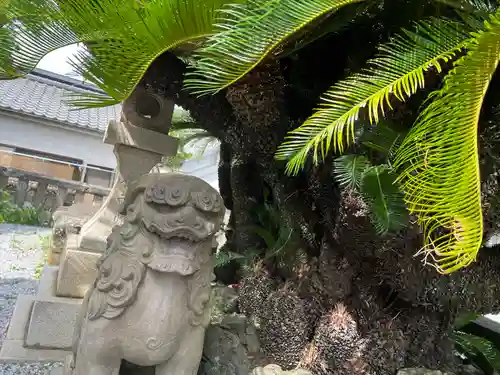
pixel 25 133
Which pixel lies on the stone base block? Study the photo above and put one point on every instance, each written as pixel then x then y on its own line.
pixel 77 272
pixel 51 325
pixel 47 324
pixel 41 328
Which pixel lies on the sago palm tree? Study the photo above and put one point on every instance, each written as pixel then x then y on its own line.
pixel 122 37
pixel 437 162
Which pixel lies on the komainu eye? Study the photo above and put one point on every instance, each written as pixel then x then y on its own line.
pixel 207 202
pixel 163 194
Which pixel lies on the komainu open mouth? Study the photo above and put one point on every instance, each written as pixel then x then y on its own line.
pixel 182 232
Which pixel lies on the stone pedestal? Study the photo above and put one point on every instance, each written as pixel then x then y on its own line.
pixel 42 326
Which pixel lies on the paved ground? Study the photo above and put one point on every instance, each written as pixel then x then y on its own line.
pixel 21 256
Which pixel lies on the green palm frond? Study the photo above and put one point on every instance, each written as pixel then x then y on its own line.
pixel 439 159
pixel 194 140
pixel 349 169
pixel 398 72
pixel 480 350
pixel 382 138
pixel 4 18
pixel 384 199
pixel 182 123
pixel 340 21
pixel 481 8
pixel 251 32
pixel 201 142
pixel 474 12
pixel 223 258
pixel 122 37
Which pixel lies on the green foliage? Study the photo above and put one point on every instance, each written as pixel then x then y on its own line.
pixel 463 319
pixel 282 244
pixel 223 257
pixel 179 117
pixel 196 140
pixel 3 12
pixel 336 23
pixel 384 199
pixel 193 142
pixel 13 214
pixel 250 32
pixel 383 138
pixel 122 37
pixel 396 73
pixel 439 159
pixel 479 344
pixel 481 351
pixel 376 184
pixel 175 162
pixel 349 170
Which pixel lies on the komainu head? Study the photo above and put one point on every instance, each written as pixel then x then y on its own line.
pixel 171 220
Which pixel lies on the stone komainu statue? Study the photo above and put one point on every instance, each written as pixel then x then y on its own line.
pixel 149 303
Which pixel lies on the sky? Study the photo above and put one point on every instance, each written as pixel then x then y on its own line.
pixel 57 61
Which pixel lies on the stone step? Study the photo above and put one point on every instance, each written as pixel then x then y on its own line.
pixel 41 330
pixel 47 284
pixel 20 317
pixel 51 325
pixel 13 351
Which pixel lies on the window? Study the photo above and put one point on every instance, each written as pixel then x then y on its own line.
pixel 99 176
pixel 40 162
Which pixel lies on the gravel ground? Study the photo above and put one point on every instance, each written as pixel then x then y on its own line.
pixel 21 255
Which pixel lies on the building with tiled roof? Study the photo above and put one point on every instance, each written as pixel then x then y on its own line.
pixel 44 95
pixel 39 131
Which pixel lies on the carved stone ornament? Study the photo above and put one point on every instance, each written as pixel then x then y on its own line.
pixel 150 302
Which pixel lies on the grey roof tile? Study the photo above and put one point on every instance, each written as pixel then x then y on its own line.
pixel 43 94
